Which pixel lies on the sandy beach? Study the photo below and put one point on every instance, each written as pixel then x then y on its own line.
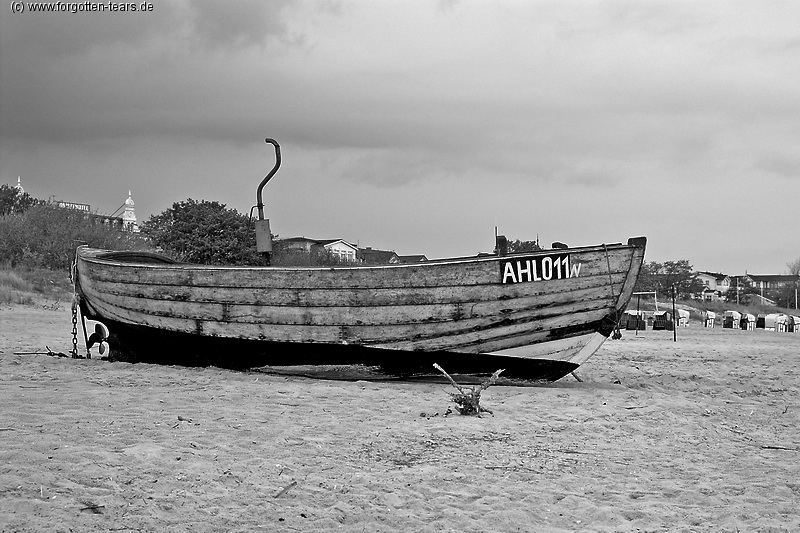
pixel 698 435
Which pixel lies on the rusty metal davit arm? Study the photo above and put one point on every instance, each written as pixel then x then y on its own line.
pixel 263 235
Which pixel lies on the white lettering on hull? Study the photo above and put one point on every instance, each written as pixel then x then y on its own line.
pixel 538 268
pixel 508 274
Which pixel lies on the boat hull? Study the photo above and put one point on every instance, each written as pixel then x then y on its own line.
pixel 538 315
pixel 148 345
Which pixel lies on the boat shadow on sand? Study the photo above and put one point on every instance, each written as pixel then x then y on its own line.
pixel 336 362
pixel 377 374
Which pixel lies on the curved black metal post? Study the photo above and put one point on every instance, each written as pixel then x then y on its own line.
pixel 272 172
pixel 263 233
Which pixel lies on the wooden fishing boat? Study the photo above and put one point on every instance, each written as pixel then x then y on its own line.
pixel 538 315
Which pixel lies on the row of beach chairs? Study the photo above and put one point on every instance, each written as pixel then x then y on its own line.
pixel 640 320
pixel 769 321
pixel 632 320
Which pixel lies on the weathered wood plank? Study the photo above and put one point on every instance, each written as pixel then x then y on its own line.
pixel 484 271
pixel 540 348
pixel 511 324
pixel 635 266
pixel 336 297
pixel 500 337
pixel 539 344
pixel 345 315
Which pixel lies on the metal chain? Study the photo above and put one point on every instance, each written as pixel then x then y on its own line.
pixel 74 352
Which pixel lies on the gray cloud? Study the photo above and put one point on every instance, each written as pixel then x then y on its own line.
pixel 44 38
pixel 783 165
pixel 530 97
pixel 207 22
pixel 148 78
pixel 238 23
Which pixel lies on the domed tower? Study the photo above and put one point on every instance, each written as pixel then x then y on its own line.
pixel 19 185
pixel 129 215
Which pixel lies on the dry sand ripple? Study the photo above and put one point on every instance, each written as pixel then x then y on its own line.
pixel 699 435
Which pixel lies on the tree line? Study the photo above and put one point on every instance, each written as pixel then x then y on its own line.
pixel 36 233
pixel 661 276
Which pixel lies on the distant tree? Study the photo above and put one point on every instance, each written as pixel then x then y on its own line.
pixel 523 246
pixel 315 258
pixel 647 280
pixel 794 267
pixel 785 296
pixel 782 296
pixel 661 277
pixel 733 295
pixel 740 292
pixel 204 232
pixel 14 202
pixel 681 274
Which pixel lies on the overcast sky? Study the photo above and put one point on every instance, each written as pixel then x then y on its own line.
pixel 419 126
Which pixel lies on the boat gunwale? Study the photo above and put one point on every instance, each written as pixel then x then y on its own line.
pixel 90 255
pixel 622 274
pixel 292 288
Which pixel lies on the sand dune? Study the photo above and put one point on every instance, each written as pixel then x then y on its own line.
pixel 698 435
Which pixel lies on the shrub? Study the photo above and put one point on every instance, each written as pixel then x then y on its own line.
pixel 11 296
pixel 13 201
pixel 45 236
pixel 300 258
pixel 11 280
pixel 14 289
pixel 205 233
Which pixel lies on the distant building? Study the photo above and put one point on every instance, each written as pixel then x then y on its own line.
pixel 772 281
pixel 715 285
pixel 755 285
pixel 369 256
pixel 123 218
pixel 86 208
pixel 339 248
pixel 129 215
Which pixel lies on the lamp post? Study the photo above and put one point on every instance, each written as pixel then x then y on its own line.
pixel 674 327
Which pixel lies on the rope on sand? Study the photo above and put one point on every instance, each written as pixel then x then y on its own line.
pixel 49 352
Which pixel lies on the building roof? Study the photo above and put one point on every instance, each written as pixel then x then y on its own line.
pixel 376 257
pixel 775 277
pixel 416 258
pixel 326 242
pixel 716 275
pixel 298 239
pixel 322 242
pixel 295 239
